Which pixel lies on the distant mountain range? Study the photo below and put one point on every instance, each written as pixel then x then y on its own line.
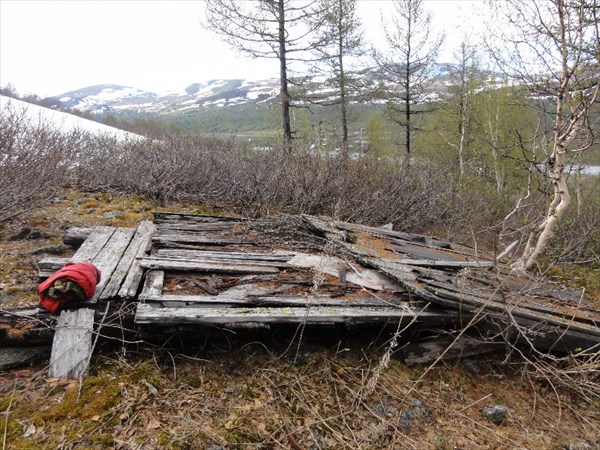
pixel 114 99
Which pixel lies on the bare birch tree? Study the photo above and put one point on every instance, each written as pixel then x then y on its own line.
pixel 277 29
pixel 553 47
pixel 408 62
pixel 466 79
pixel 342 38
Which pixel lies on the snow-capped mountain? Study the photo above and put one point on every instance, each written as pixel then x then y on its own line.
pixel 110 98
pixel 115 99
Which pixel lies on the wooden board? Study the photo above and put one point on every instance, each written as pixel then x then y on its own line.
pixel 108 258
pixel 127 262
pixel 147 314
pixel 153 285
pixel 200 266
pixel 197 240
pixel 143 238
pixel 72 344
pixel 168 253
pixel 211 300
pixel 93 244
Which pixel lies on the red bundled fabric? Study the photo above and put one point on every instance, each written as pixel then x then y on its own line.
pixel 86 275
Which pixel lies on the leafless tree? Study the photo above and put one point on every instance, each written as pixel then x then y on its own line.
pixel 277 29
pixel 553 48
pixel 467 79
pixel 341 38
pixel 407 63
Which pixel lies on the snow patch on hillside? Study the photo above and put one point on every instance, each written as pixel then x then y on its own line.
pixel 40 116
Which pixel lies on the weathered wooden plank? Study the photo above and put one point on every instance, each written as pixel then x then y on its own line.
pixel 147 314
pixel 523 301
pixel 444 263
pixel 153 285
pixel 216 267
pixel 108 258
pixel 76 236
pixel 47 266
pixel 52 263
pixel 216 261
pixel 472 303
pixel 449 348
pixel 93 245
pixel 72 344
pixel 197 226
pixel 208 254
pixel 198 240
pixel 160 217
pixel 216 300
pixel 140 239
pixel 358 276
pixel 143 237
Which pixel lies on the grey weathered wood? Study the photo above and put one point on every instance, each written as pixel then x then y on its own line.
pixel 76 236
pixel 443 263
pixel 153 285
pixel 47 266
pixel 93 245
pixel 52 263
pixel 198 240
pixel 147 314
pixel 248 262
pixel 140 240
pixel 207 300
pixel 197 226
pixel 358 276
pixel 207 266
pixel 72 344
pixel 426 352
pixel 107 260
pixel 169 253
pixel 472 303
pixel 162 217
pixel 130 285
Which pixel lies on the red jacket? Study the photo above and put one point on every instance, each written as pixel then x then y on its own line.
pixel 84 274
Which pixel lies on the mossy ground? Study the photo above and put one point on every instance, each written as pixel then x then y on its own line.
pixel 250 397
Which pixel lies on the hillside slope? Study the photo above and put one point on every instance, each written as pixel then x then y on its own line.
pixel 38 115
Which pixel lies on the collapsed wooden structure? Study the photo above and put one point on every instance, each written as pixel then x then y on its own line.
pixel 188 269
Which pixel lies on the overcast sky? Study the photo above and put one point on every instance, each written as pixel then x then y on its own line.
pixel 51 47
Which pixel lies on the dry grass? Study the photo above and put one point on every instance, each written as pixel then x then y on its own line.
pixel 250 397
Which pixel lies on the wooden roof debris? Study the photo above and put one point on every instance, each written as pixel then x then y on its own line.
pixel 192 269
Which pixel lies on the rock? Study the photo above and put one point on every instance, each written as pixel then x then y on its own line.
pixel 112 214
pixel 11 357
pixel 384 409
pixel 387 226
pixel 37 234
pixel 496 413
pixel 417 411
pixel 470 366
pixel 58 249
pixel 20 235
pixel 406 420
pixel 29 234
